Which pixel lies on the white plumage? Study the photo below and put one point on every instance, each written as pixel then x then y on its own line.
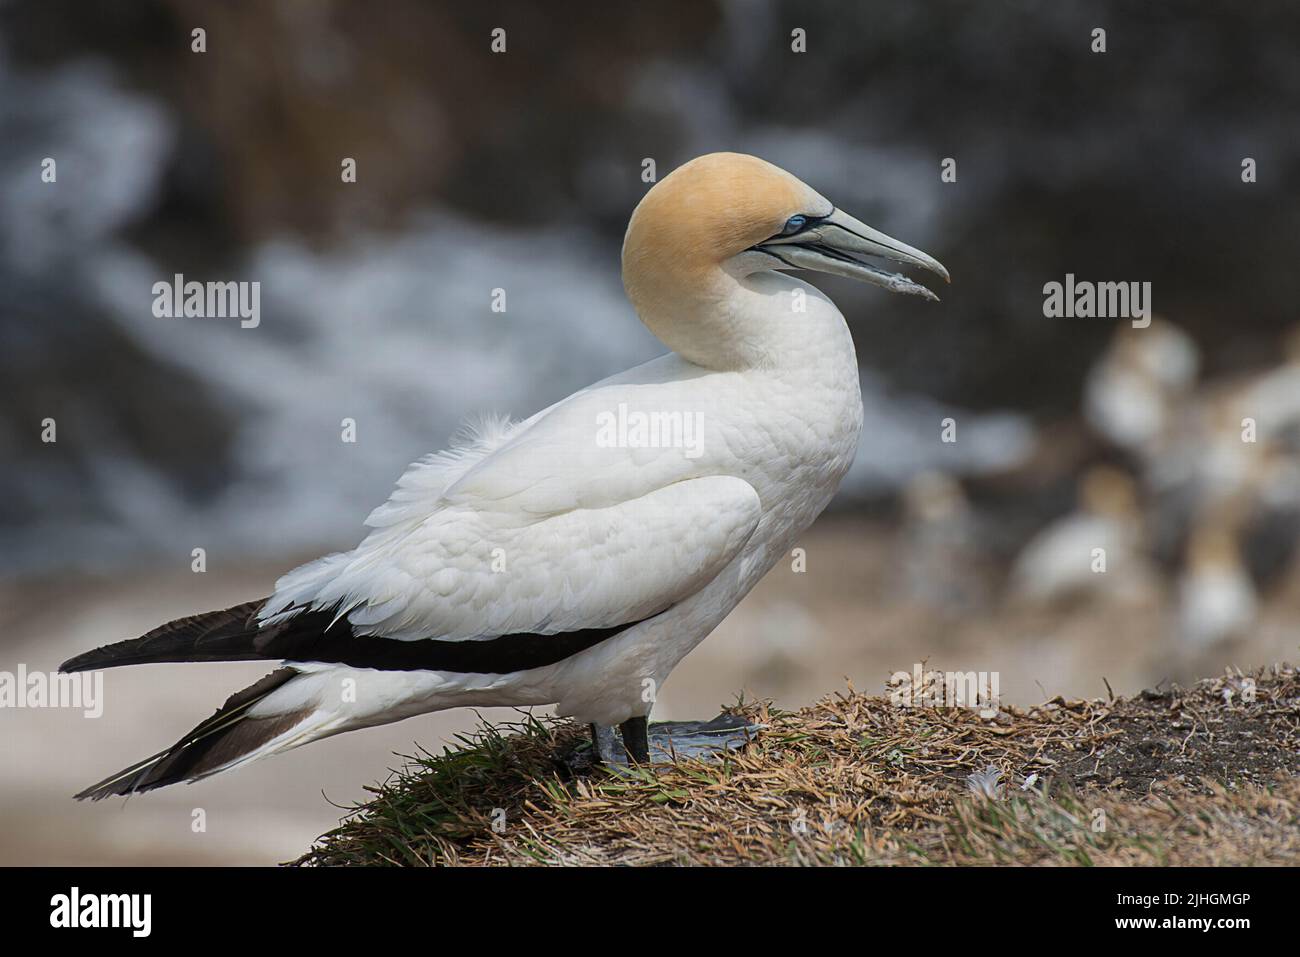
pixel 539 529
pixel 588 537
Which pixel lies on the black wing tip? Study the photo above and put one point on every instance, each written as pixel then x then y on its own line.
pixel 105 656
pixel 82 662
pixel 222 635
pixel 109 656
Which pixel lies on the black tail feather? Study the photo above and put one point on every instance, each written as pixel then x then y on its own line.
pixel 227 735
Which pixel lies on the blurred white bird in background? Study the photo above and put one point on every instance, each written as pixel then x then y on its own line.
pixel 1216 597
pixel 1136 388
pixel 1220 472
pixel 1098 549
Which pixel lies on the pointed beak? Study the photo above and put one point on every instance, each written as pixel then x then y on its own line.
pixel 833 244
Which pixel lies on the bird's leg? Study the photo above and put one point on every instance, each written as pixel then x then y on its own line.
pixel 636 739
pixel 604 743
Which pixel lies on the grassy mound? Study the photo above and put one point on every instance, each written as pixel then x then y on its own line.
pixel 1183 776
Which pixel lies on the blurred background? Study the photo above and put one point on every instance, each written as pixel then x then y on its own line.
pixel 478 170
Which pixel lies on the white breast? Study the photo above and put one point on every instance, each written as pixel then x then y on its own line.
pixel 593 534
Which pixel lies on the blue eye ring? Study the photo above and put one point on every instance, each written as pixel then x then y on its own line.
pixel 794 224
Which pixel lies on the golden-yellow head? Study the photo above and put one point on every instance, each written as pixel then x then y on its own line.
pixel 713 207
pixel 738 214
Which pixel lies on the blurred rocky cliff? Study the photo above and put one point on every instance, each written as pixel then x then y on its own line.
pixel 479 170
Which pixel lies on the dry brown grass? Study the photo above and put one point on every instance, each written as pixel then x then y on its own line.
pixel 1195 776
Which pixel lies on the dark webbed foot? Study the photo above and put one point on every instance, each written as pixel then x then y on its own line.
pixel 670 740
pixel 665 741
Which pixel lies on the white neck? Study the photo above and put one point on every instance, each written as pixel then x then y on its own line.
pixel 763 319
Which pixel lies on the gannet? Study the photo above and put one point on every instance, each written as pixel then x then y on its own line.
pixel 1232 449
pixel 1062 560
pixel 533 564
pixel 1138 386
pixel 1217 600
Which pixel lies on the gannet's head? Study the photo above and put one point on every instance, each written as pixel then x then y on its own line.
pixel 744 215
